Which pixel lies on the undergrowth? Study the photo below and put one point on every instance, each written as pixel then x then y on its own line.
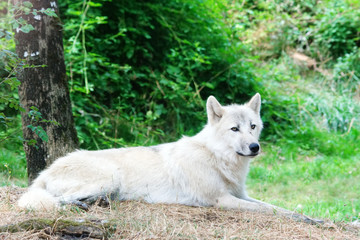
pixel 139 74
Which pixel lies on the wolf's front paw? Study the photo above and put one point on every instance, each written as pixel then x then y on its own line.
pixel 306 219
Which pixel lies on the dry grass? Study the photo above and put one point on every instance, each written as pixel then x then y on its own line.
pixel 138 220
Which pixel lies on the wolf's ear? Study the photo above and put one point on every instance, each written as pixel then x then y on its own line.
pixel 255 103
pixel 214 110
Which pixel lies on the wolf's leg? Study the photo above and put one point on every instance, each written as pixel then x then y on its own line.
pixel 84 201
pixel 263 203
pixel 231 202
pixel 287 213
pixel 101 201
pixel 77 203
pixel 253 205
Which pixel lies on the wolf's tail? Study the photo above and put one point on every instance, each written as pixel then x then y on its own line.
pixel 38 198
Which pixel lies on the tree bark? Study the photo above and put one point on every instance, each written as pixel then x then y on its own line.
pixel 46 88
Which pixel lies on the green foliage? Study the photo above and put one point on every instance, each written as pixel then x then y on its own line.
pixel 323 30
pixel 310 116
pixel 14 166
pixel 149 66
pixel 11 64
pixel 9 103
pixel 325 184
pixel 347 72
pixel 35 119
pixel 16 11
pixel 337 29
pixel 140 73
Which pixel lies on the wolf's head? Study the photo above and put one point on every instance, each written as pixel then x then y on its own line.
pixel 237 127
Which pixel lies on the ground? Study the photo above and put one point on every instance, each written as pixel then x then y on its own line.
pixel 138 220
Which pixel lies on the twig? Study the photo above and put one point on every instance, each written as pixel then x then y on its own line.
pixel 350 126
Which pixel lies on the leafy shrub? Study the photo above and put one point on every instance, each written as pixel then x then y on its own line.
pixel 334 113
pixel 9 64
pixel 295 112
pixel 347 73
pixel 319 29
pixel 337 29
pixel 144 69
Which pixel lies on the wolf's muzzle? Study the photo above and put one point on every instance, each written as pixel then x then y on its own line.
pixel 254 148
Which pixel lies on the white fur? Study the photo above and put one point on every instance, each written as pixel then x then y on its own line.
pixel 208 169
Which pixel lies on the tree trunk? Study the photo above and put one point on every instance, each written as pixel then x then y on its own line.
pixel 46 88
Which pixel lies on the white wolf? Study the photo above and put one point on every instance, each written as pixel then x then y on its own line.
pixel 208 169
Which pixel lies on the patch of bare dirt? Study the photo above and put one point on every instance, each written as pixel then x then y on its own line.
pixel 138 220
pixel 303 60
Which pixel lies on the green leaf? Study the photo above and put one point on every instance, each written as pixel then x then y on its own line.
pixel 27 11
pixel 15 25
pixel 49 12
pixel 93 4
pixel 130 53
pixel 22 109
pixel 13 82
pixel 74 12
pixel 8 35
pixel 40 132
pixel 173 70
pixel 32 142
pixel 27 28
pixel 34 108
pixel 27 4
pixel 31 127
pixel 209 85
pixel 51 121
pixel 21 21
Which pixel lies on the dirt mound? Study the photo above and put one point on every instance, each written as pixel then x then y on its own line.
pixel 138 220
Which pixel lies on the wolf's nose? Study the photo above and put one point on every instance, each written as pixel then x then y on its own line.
pixel 254 147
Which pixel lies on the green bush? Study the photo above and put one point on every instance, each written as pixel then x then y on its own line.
pixel 347 73
pixel 140 72
pixel 337 29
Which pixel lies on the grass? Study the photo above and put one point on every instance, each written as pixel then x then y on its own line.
pixel 12 168
pixel 323 186
pixel 138 220
pixel 313 163
pixel 320 186
pixel 310 168
pixel 311 159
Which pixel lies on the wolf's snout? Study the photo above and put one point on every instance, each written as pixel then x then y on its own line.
pixel 254 147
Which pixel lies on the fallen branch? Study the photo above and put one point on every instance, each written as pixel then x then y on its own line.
pixel 99 229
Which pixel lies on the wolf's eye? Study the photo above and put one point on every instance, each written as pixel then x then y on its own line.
pixel 235 129
pixel 253 126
